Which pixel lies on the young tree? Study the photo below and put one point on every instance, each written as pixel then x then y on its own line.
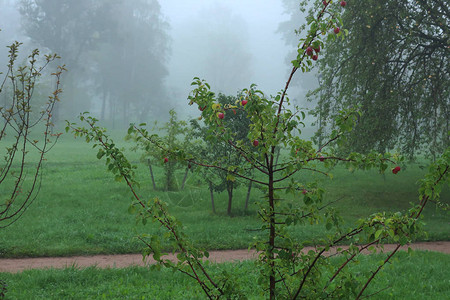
pixel 285 271
pixel 25 131
pixel 223 154
pixel 173 129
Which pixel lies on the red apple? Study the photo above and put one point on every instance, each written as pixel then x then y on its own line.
pixel 309 51
pixel 315 57
pixel 396 170
pixel 255 143
pixel 244 102
pixel 166 160
pixel 337 30
pixel 317 49
pixel 343 3
pixel 221 115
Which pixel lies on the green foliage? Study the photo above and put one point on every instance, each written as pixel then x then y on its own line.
pixel 155 151
pixel 395 66
pixel 222 154
pixel 284 270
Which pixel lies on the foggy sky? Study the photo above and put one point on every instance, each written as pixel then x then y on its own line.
pixel 265 45
pixel 256 23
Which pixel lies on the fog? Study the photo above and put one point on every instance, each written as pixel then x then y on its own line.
pixel 132 61
pixel 253 25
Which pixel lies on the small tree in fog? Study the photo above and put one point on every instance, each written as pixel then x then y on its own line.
pixel 220 180
pixel 25 133
pixel 176 134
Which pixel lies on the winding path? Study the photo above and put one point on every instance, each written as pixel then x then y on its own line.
pixel 14 265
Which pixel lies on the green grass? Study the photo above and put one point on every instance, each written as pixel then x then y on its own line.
pixel 422 275
pixel 82 210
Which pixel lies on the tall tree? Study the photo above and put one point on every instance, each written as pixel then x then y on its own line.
pixel 135 36
pixel 64 27
pixel 395 66
pixel 118 46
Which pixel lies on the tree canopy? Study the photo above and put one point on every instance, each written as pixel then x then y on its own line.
pixel 395 67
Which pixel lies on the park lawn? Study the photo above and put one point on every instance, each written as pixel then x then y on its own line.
pixel 81 210
pixel 420 275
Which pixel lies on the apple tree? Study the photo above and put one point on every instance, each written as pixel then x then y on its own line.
pixel 285 271
pixel 157 151
pixel 223 153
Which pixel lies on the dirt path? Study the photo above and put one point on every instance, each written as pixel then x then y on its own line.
pixel 15 265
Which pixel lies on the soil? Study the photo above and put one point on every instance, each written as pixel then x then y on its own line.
pixel 14 265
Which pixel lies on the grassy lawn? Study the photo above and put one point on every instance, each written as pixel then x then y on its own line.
pixel 82 210
pixel 422 275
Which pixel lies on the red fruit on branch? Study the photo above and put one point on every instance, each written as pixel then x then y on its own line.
pixel 317 49
pixel 255 143
pixel 337 30
pixel 321 158
pixel 315 57
pixel 244 102
pixel 166 160
pixel 221 115
pixel 343 3
pixel 309 51
pixel 304 192
pixel 396 170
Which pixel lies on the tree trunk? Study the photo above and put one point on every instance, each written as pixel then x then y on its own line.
pixel 248 194
pixel 272 230
pixel 103 114
pixel 184 179
pixel 278 155
pixel 230 196
pixel 151 173
pixel 211 191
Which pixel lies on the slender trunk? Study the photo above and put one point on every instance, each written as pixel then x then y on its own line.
pixel 184 178
pixel 270 250
pixel 230 196
pixel 112 112
pixel 248 194
pixel 125 112
pixel 151 173
pixel 211 191
pixel 170 170
pixel 278 155
pixel 103 105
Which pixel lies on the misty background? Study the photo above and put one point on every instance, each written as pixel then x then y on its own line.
pixel 133 61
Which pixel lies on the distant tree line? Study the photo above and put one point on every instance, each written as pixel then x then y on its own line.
pixel 115 53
